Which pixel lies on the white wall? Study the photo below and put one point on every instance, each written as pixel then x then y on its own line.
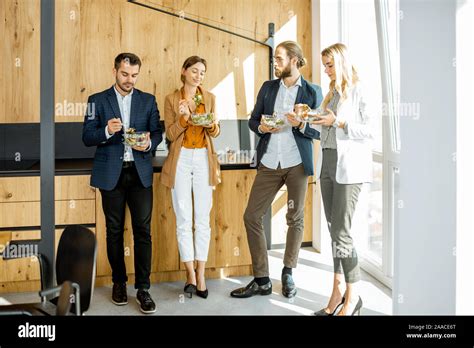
pixel 425 235
pixel 465 157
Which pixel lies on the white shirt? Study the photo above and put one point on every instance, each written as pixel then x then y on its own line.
pixel 282 148
pixel 125 104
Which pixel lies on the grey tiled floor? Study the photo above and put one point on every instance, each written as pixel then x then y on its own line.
pixel 313 278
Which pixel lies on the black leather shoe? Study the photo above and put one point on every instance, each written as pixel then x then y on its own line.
pixel 119 294
pixel 252 289
pixel 145 301
pixel 288 287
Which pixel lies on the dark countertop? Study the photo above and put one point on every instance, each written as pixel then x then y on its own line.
pixel 83 167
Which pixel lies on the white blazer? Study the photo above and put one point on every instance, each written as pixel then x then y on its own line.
pixel 354 149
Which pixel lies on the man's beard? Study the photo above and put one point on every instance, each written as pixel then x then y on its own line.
pixel 123 86
pixel 282 74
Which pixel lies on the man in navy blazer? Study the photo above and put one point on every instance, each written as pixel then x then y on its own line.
pixel 284 157
pixel 123 173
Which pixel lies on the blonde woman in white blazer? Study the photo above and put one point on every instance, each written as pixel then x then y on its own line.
pixel 344 164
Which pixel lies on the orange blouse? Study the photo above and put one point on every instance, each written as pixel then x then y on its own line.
pixel 194 135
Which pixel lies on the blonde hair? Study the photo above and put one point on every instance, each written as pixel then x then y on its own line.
pixel 293 49
pixel 346 73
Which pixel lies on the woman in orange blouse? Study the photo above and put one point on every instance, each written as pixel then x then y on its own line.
pixel 191 170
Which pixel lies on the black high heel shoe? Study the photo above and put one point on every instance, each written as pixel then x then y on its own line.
pixel 202 293
pixel 357 307
pixel 190 289
pixel 322 312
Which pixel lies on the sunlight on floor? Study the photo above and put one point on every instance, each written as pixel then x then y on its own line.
pixel 313 278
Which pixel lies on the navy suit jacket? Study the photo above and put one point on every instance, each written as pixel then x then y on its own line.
pixel 144 116
pixel 307 94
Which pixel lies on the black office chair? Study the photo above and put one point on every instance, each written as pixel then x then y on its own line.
pixel 63 307
pixel 75 274
pixel 66 290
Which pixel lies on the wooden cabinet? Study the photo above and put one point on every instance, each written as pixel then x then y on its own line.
pixel 72 212
pixel 78 203
pixel 19 214
pixel 20 201
pixel 74 200
pixel 18 269
pixel 19 189
pixel 27 214
pixel 228 246
pixel 76 187
pixel 20 207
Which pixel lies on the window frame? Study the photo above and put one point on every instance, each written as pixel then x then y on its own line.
pixel 390 155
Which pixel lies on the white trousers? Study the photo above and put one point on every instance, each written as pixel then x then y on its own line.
pixel 192 179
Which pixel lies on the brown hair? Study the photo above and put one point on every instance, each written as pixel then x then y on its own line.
pixel 293 49
pixel 131 58
pixel 190 61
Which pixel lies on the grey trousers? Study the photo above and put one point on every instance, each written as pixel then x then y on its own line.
pixel 339 202
pixel 264 189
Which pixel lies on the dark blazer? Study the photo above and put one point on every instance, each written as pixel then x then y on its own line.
pixel 307 94
pixel 144 116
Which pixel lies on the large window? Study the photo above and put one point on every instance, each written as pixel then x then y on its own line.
pixel 359 32
pixel 370 29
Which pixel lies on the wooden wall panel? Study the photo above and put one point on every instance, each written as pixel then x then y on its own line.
pixel 3 55
pixel 308 214
pixel 163 226
pixel 229 246
pixel 91 33
pixel 20 61
pixel 68 70
pixel 279 210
